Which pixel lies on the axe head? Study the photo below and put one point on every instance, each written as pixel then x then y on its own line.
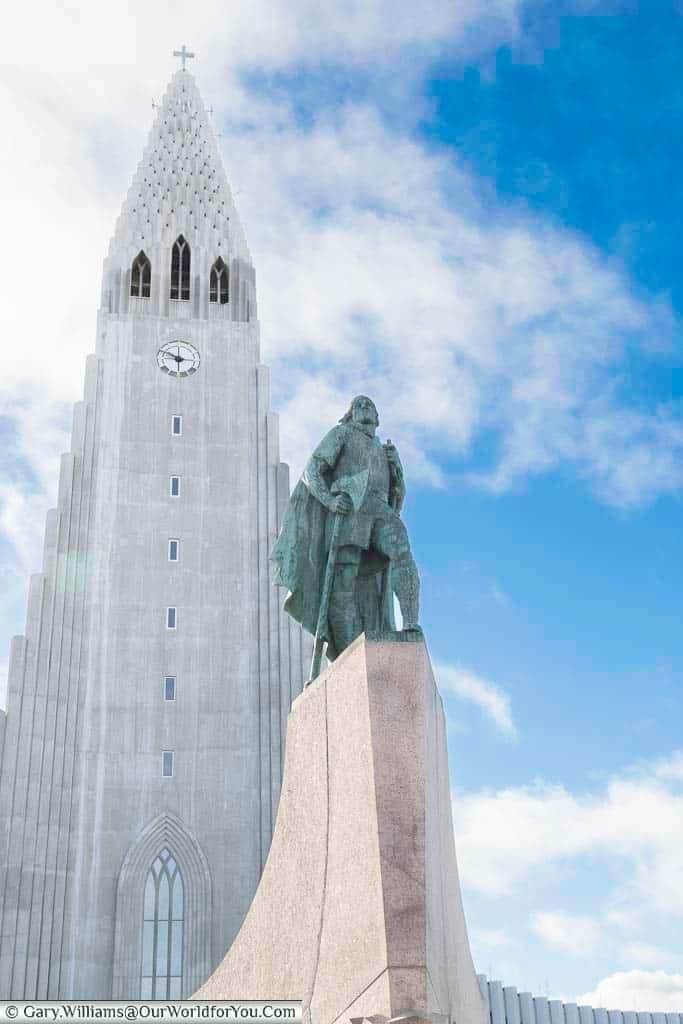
pixel 355 486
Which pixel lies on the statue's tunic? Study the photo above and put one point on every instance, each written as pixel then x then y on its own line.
pixel 344 452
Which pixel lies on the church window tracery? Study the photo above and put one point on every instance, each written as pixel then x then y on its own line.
pixel 141 276
pixel 163 927
pixel 219 283
pixel 180 269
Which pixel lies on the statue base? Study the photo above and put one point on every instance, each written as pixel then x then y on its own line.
pixel 358 912
pixel 414 635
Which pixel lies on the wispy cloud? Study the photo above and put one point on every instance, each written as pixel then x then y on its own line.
pixel 489 938
pixel 487 696
pixel 576 934
pixel 644 954
pixel 635 821
pixel 648 991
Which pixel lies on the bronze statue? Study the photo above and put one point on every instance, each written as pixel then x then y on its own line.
pixel 343 550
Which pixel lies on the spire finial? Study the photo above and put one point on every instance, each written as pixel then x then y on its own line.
pixel 184 55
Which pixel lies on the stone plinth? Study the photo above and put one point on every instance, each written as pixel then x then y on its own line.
pixel 359 911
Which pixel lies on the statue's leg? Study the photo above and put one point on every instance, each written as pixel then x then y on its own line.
pixel 344 615
pixel 390 538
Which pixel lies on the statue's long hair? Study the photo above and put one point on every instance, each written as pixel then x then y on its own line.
pixel 348 415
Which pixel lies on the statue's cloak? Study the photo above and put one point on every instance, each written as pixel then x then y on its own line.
pixel 300 555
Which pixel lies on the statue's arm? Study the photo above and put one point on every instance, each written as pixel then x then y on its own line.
pixel 323 459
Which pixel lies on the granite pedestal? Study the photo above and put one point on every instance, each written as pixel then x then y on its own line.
pixel 359 911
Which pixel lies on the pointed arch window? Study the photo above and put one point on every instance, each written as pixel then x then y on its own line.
pixel 219 283
pixel 163 925
pixel 180 269
pixel 141 276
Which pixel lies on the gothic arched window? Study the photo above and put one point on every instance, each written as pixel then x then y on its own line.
pixel 141 276
pixel 219 283
pixel 162 935
pixel 180 269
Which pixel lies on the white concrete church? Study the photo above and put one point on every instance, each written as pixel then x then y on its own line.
pixel 147 701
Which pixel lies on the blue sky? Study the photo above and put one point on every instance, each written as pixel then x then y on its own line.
pixel 474 215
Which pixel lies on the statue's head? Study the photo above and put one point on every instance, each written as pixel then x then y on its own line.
pixel 362 410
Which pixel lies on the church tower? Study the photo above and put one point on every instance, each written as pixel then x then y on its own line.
pixel 147 701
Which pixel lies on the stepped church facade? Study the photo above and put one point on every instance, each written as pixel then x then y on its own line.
pixel 143 742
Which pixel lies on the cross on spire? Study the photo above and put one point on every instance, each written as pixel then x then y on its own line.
pixel 184 55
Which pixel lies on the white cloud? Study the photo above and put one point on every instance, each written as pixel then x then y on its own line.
pixel 625 918
pixel 647 991
pixel 31 453
pixel 493 701
pixel 576 934
pixel 266 34
pixel 635 824
pixel 497 321
pixel 522 850
pixel 643 954
pixel 489 938
pixel 671 768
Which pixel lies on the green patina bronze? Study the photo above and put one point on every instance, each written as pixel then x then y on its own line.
pixel 343 550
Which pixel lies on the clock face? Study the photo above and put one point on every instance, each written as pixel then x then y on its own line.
pixel 178 358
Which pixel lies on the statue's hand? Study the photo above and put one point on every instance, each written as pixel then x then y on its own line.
pixel 342 504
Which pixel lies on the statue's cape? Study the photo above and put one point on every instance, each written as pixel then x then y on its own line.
pixel 300 556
